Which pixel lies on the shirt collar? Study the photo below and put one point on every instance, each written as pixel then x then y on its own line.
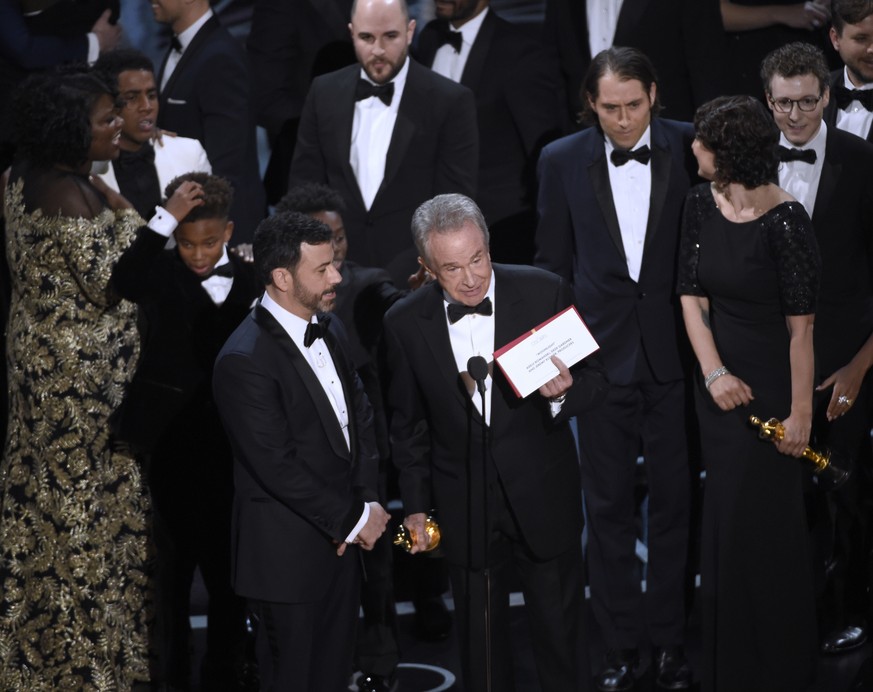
pixel 848 82
pixel 188 35
pixel 470 30
pixel 645 140
pixel 399 83
pixel 817 143
pixel 488 294
pixel 293 325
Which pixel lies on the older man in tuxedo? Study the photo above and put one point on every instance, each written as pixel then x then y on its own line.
pixel 386 134
pixel 530 475
pixel 519 104
pixel 828 171
pixel 204 87
pixel 305 462
pixel 610 202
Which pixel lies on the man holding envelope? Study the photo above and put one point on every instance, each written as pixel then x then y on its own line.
pixel 530 473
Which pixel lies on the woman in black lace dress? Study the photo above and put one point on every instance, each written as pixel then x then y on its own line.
pixel 748 279
pixel 73 528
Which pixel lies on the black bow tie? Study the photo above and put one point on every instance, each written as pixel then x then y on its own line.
pixel 446 36
pixel 225 270
pixel 383 92
pixel 457 311
pixel 845 96
pixel 144 155
pixel 175 44
pixel 619 157
pixel 314 330
pixel 793 154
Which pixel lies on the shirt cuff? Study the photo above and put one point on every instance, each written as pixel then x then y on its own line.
pixel 163 222
pixel 555 407
pixel 365 515
pixel 93 48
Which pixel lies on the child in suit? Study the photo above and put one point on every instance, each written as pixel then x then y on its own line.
pixel 193 298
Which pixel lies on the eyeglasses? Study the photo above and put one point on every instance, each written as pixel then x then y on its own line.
pixel 806 104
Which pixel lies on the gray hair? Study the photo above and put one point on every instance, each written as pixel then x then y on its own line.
pixel 444 214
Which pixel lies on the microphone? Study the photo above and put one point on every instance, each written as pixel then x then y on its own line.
pixel 477 368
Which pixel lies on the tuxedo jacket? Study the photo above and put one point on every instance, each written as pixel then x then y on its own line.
pixel 682 38
pixel 843 222
pixel 578 238
pixel 174 156
pixel 183 331
pixel 433 440
pixel 434 149
pixel 518 107
pixel 298 489
pixel 830 111
pixel 207 98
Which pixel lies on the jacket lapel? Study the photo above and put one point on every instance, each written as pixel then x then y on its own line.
pixel 660 163
pixel 411 111
pixel 629 17
pixel 313 387
pixel 473 70
pixel 199 39
pixel 432 323
pixel 508 318
pixel 830 173
pixel 345 115
pixel 599 175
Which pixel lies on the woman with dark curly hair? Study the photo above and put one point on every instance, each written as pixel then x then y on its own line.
pixel 748 280
pixel 73 522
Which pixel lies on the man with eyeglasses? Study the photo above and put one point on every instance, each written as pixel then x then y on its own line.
pixel 828 171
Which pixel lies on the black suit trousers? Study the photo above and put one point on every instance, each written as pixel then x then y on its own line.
pixel 308 647
pixel 650 414
pixel 554 604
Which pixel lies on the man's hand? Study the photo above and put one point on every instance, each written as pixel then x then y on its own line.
pixel 376 524
pixel 560 385
pixel 415 524
pixel 187 196
pixel 108 35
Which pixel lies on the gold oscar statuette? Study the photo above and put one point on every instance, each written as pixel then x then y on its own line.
pixel 829 474
pixel 404 540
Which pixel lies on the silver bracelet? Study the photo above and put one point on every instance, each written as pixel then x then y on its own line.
pixel 714 375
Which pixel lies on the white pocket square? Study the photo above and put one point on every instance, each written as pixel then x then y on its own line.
pixel 176 102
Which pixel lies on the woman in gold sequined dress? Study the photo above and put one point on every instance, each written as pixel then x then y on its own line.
pixel 73 528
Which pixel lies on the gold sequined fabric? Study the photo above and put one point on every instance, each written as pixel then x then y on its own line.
pixel 73 534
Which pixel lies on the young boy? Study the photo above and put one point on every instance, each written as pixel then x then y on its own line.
pixel 192 299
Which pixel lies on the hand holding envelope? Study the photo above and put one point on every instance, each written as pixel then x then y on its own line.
pixel 527 361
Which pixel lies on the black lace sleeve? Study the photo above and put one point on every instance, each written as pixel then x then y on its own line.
pixel 698 208
pixel 791 239
pixel 61 193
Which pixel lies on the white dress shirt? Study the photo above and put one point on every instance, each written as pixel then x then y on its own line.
pixel 602 20
pixel 855 119
pixel 372 129
pixel 448 62
pixel 473 335
pixel 218 287
pixel 319 359
pixel 631 193
pixel 800 179
pixel 185 39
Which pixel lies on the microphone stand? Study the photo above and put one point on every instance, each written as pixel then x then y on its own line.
pixel 480 368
